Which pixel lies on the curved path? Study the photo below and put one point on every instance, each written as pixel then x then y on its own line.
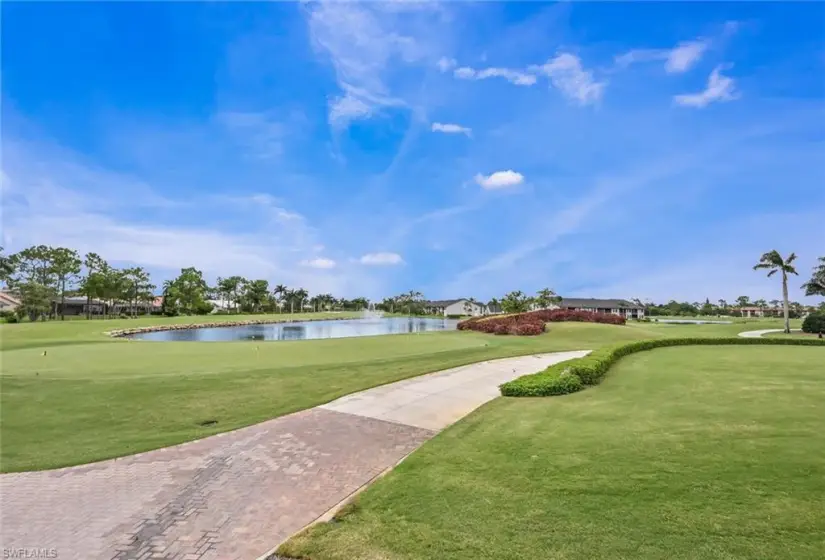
pixel 237 495
pixel 758 334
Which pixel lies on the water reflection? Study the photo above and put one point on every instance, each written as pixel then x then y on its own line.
pixel 306 330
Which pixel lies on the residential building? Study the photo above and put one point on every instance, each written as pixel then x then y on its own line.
pixel 8 301
pixel 460 306
pixel 619 307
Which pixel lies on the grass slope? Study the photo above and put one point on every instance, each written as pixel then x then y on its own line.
pixel 681 453
pixel 92 397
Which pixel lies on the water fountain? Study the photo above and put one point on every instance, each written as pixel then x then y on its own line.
pixel 371 313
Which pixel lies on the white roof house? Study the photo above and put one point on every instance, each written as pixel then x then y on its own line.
pixel 460 306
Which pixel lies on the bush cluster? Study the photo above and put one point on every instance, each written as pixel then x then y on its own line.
pixel 814 323
pixel 575 375
pixel 532 322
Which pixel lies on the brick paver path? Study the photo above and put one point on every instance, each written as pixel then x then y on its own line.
pixel 236 495
pixel 229 496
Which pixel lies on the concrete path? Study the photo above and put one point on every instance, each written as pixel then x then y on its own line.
pixel 758 334
pixel 237 495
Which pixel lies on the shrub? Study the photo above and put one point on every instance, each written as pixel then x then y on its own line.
pixel 591 369
pixel 8 316
pixel 814 323
pixel 527 329
pixel 532 322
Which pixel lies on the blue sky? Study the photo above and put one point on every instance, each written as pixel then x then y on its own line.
pixel 649 150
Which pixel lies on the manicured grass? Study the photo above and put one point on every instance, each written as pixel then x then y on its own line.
pixel 71 394
pixel 681 453
pixel 82 402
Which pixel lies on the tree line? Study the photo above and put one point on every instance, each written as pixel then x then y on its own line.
pixel 43 277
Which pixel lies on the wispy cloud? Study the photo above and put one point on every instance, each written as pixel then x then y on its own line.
pixel 567 75
pixel 259 133
pixel 719 88
pixel 499 180
pixel 381 259
pixel 679 59
pixel 320 262
pixel 516 77
pixel 48 197
pixel 446 64
pixel 451 129
pixel 363 41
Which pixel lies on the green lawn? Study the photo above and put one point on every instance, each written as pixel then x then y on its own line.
pixel 681 453
pixel 71 394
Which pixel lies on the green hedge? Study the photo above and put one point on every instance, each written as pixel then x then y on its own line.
pixel 575 375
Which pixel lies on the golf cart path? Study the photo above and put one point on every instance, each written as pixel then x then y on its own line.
pixel 758 334
pixel 236 495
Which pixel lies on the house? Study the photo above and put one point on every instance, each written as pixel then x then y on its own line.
pixel 77 305
pixel 8 301
pixel 448 307
pixel 619 307
pixel 752 311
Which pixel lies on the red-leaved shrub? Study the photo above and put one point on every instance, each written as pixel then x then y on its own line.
pixel 532 322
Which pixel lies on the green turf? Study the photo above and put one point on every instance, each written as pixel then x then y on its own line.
pixel 91 397
pixel 681 453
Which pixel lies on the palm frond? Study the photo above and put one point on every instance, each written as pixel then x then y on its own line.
pixel 771 273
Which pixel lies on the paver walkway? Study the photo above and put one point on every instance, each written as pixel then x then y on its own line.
pixel 236 495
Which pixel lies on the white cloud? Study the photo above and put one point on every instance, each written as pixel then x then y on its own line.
pixel 499 180
pixel 566 73
pixel 320 262
pixel 685 56
pixel 51 196
pixel 381 259
pixel 516 77
pixel 445 64
pixel 364 41
pixel 451 129
pixel 719 88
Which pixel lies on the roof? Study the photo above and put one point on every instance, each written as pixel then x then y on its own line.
pixel 447 302
pixel 599 303
pixel 8 298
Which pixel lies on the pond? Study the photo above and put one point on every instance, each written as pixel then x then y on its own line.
pixel 303 330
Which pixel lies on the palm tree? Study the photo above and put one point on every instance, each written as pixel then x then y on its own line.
pixel 280 294
pixel 816 285
pixel 774 262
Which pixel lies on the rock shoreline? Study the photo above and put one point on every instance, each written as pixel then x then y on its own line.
pixel 119 333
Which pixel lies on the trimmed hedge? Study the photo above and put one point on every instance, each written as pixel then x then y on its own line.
pixel 575 375
pixel 532 322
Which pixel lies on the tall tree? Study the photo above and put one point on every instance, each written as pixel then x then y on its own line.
pixel 516 302
pixel 256 293
pixel 66 267
pixel 816 285
pixel 7 267
pixel 35 279
pixel 743 301
pixel 90 285
pixel 138 287
pixel 300 296
pixel 188 292
pixel 773 262
pixel 722 304
pixel 232 288
pixel 546 298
